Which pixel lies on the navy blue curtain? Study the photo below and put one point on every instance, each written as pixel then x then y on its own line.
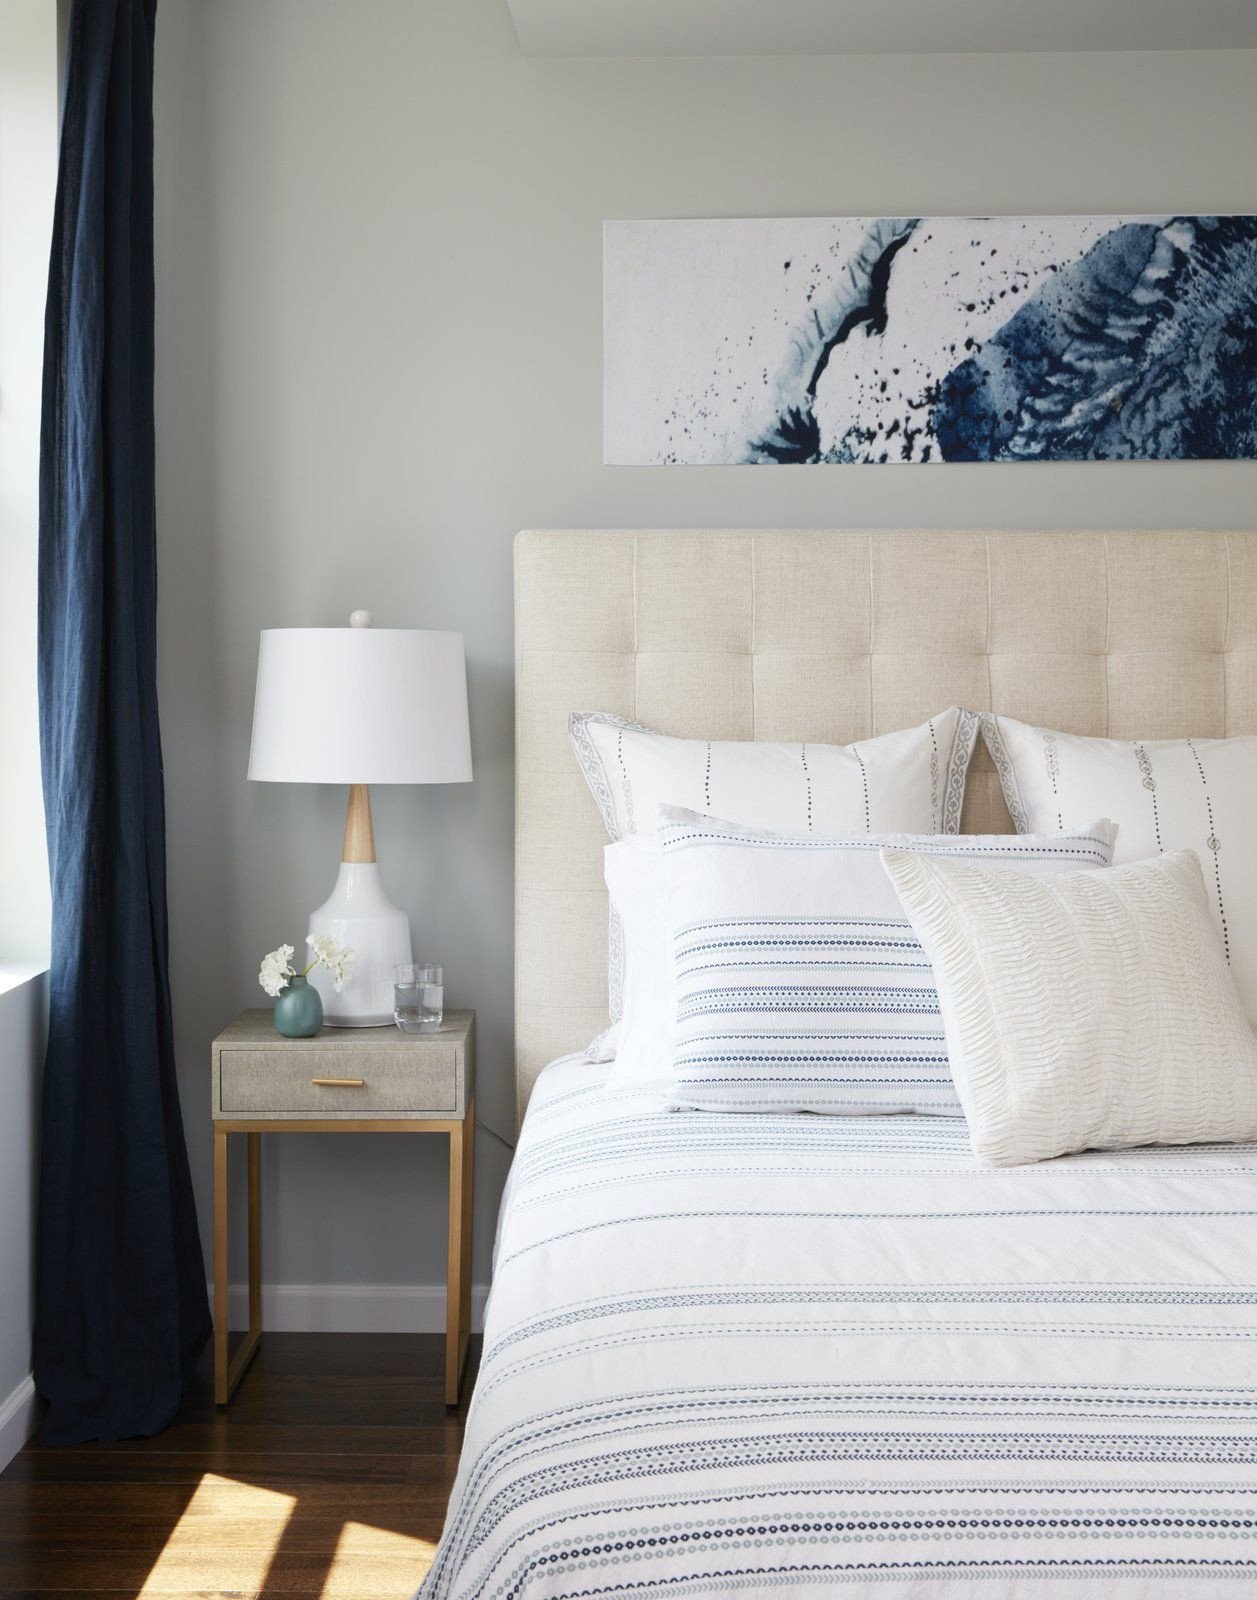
pixel 121 1308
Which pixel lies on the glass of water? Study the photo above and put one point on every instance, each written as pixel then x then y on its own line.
pixel 418 997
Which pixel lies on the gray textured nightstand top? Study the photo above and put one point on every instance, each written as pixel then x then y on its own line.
pixel 343 1073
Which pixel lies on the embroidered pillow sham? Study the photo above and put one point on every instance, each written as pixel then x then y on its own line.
pixel 911 781
pixel 1087 1010
pixel 1163 794
pixel 799 984
pixel 905 781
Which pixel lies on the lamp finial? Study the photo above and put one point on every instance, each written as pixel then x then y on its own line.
pixel 360 619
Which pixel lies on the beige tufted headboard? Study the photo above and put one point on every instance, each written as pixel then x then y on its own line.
pixel 830 637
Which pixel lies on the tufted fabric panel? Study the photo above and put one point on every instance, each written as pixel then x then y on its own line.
pixel 829 637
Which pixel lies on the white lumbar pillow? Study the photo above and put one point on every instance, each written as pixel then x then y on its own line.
pixel 1090 1010
pixel 1163 794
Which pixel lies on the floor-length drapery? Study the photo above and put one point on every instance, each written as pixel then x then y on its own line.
pixel 121 1305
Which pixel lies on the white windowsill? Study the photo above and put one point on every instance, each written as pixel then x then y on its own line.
pixel 13 974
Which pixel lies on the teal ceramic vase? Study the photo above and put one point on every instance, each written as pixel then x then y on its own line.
pixel 298 1011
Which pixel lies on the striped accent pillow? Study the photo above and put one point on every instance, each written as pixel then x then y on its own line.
pixel 800 985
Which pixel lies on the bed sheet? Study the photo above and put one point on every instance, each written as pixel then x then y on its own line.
pixel 777 1355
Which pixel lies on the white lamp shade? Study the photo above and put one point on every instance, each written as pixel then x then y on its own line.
pixel 360 705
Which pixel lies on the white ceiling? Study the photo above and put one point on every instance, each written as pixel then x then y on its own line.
pixel 864 27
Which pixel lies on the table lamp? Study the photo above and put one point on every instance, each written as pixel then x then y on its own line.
pixel 360 705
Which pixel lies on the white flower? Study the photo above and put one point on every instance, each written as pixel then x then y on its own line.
pixel 276 971
pixel 335 957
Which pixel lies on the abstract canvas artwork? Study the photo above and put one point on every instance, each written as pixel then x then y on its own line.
pixel 930 339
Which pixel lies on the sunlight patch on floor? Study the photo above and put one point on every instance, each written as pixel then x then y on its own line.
pixel 181 1566
pixel 396 1561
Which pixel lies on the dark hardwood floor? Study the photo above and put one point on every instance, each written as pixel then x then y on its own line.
pixel 327 1476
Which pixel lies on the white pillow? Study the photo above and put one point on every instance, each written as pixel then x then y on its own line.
pixel 1090 1010
pixel 1164 794
pixel 799 984
pixel 646 1034
pixel 605 1045
pixel 912 781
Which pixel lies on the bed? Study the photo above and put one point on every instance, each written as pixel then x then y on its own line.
pixel 779 1354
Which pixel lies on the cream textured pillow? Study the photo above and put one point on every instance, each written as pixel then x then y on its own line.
pixel 1090 1010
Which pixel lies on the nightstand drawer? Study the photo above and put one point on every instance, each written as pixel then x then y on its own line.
pixel 254 1082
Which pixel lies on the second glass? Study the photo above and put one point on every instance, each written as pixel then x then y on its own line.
pixel 418 997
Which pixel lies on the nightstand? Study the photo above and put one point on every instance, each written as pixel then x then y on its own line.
pixel 345 1080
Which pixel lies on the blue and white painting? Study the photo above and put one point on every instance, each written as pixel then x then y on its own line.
pixel 930 339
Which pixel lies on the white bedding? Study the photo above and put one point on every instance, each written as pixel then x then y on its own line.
pixel 771 1355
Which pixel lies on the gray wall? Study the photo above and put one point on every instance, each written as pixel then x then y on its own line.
pixel 28 178
pixel 380 356
pixel 23 1032
pixel 28 166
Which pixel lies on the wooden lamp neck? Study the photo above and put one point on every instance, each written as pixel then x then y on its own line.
pixel 359 834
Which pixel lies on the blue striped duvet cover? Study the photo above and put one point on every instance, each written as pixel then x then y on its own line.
pixel 775 1355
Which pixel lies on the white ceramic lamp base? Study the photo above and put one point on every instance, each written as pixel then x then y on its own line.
pixel 359 915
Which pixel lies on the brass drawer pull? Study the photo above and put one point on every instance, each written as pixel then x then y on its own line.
pixel 339 1083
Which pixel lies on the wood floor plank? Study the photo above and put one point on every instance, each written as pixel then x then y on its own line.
pixel 283 1438
pixel 225 1529
pixel 179 1594
pixel 328 1476
pixel 374 1400
pixel 373 1577
pixel 29 1498
pixel 388 1355
pixel 262 1467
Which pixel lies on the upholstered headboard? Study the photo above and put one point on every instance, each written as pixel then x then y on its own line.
pixel 830 637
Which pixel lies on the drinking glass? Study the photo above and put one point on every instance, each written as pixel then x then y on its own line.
pixel 418 997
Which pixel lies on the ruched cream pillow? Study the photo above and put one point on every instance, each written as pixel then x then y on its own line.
pixel 1090 1010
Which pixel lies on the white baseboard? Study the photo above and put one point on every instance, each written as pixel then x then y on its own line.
pixel 19 1417
pixel 350 1307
